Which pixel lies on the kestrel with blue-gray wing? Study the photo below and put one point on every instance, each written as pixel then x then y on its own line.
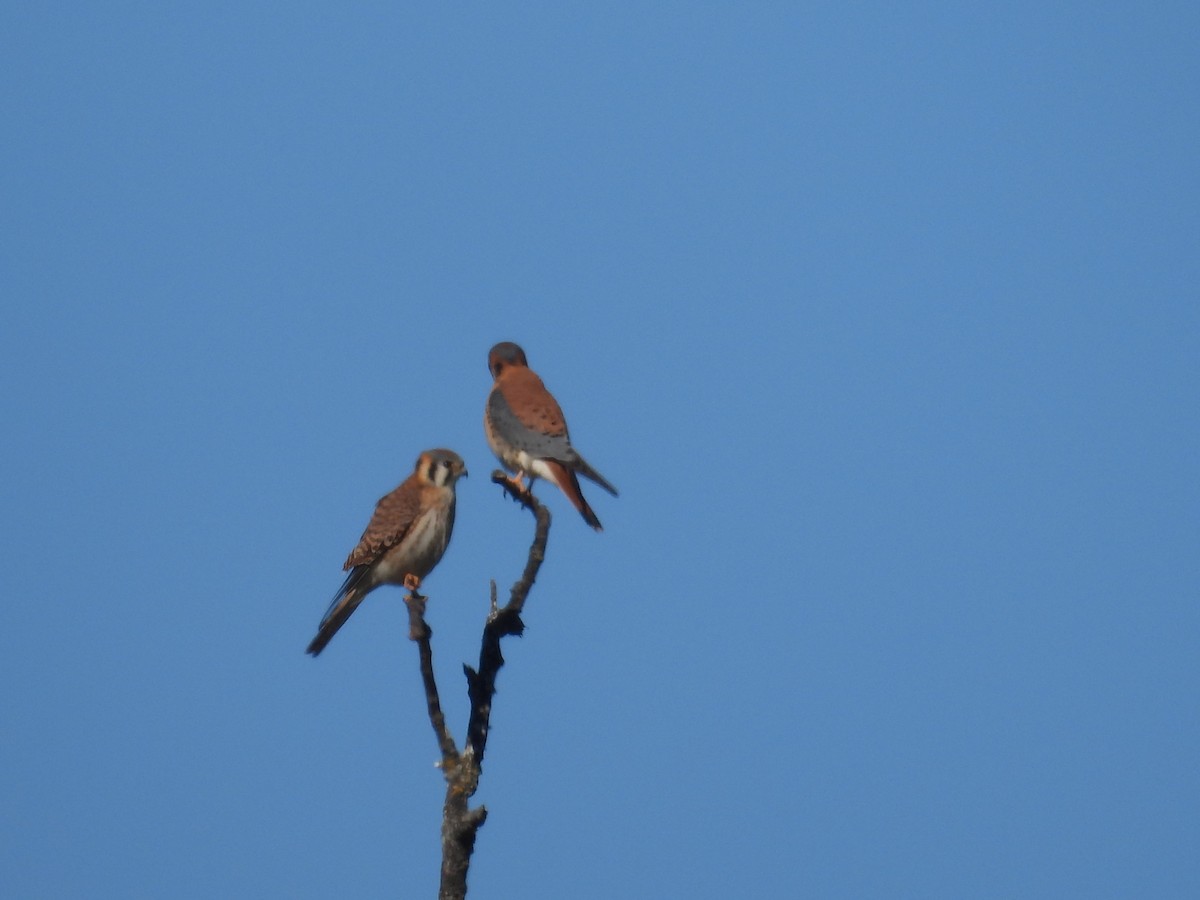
pixel 404 540
pixel 527 432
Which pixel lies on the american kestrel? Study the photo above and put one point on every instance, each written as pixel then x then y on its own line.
pixel 527 432
pixel 404 540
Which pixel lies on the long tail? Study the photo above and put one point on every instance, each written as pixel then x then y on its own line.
pixel 569 485
pixel 344 603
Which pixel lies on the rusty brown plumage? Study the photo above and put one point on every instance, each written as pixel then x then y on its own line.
pixel 530 402
pixel 404 540
pixel 393 516
pixel 527 431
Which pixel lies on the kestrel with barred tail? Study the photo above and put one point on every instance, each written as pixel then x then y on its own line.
pixel 527 432
pixel 404 540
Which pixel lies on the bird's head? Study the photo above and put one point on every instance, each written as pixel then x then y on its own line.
pixel 505 355
pixel 441 467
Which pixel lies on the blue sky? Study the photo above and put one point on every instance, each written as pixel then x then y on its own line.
pixel 883 318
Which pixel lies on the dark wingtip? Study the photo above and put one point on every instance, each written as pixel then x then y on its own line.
pixel 317 645
pixel 344 603
pixel 592 475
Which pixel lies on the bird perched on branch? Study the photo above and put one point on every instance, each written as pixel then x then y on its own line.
pixel 527 432
pixel 404 540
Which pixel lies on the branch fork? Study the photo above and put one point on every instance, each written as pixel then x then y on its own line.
pixel 460 822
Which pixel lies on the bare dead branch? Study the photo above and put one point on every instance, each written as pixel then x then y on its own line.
pixel 419 631
pixel 481 683
pixel 460 823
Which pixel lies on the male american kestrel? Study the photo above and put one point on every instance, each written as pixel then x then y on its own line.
pixel 404 540
pixel 527 432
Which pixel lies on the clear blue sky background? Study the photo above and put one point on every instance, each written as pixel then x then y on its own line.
pixel 883 317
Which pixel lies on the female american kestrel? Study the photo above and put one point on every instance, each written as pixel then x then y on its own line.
pixel 404 540
pixel 527 432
